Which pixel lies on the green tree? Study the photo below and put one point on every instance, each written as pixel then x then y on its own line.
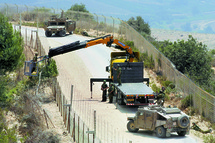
pixel 190 57
pixel 79 7
pixel 11 47
pixel 80 12
pixel 139 24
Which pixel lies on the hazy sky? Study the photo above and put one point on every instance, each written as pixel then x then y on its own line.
pixel 173 14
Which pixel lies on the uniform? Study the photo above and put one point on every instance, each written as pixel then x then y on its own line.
pixel 110 93
pixel 197 128
pixel 104 88
pixel 34 62
pixel 160 97
pixel 119 70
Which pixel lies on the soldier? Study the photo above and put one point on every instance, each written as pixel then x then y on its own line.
pixel 197 128
pixel 104 88
pixel 160 97
pixel 34 62
pixel 118 69
pixel 110 92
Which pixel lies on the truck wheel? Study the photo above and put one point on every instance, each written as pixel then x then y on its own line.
pixel 161 132
pixel 131 126
pixel 48 33
pixel 182 133
pixel 119 98
pixel 62 33
pixel 183 121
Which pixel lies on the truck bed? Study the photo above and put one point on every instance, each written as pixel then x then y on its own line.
pixel 135 88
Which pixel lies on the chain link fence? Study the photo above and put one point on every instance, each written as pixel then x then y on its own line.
pixel 99 25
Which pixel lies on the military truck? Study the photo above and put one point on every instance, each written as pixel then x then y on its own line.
pixel 162 120
pixel 59 26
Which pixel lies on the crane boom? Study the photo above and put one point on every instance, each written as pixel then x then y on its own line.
pixel 108 40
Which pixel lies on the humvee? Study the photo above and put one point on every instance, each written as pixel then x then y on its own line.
pixel 59 26
pixel 162 120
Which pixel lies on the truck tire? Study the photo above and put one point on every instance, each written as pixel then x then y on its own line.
pixel 131 127
pixel 181 133
pixel 119 98
pixel 161 132
pixel 48 33
pixel 62 33
pixel 183 121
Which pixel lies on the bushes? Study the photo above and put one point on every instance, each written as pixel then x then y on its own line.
pixel 187 102
pixel 49 70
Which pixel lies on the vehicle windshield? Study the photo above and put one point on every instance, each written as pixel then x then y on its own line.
pixel 61 23
pixel 53 23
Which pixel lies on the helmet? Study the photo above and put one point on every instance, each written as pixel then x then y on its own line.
pixel 104 81
pixel 163 88
pixel 36 53
pixel 193 123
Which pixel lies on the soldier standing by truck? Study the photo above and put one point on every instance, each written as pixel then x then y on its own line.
pixel 104 88
pixel 119 70
pixel 110 92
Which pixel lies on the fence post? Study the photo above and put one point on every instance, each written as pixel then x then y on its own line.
pixel 113 26
pixel 97 24
pixel 94 135
pixel 83 132
pixel 73 127
pixel 78 127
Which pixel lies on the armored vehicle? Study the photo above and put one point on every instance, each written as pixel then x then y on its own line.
pixel 59 26
pixel 161 120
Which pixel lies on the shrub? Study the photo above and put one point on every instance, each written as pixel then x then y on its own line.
pixel 209 139
pixel 186 102
pixel 155 88
pixel 50 70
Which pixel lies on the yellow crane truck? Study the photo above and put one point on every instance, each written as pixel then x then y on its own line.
pixel 135 88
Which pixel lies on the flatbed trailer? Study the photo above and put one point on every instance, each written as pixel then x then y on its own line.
pixel 134 94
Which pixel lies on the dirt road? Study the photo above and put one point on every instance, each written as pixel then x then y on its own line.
pixel 77 68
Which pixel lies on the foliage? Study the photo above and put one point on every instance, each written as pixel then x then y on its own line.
pixel 155 88
pixel 11 47
pixel 187 102
pixel 76 9
pixel 6 135
pixel 209 138
pixel 3 97
pixel 190 57
pixel 212 55
pixel 79 7
pixel 50 70
pixel 139 25
pixel 40 25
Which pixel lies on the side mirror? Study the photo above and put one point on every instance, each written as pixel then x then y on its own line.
pixel 107 68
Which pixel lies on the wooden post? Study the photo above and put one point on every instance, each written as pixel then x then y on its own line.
pixel 94 135
pixel 78 127
pixel 83 132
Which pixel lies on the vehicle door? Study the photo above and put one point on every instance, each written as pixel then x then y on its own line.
pixel 149 117
pixel 140 120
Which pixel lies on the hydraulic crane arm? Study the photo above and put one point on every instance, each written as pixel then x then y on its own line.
pixel 108 40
